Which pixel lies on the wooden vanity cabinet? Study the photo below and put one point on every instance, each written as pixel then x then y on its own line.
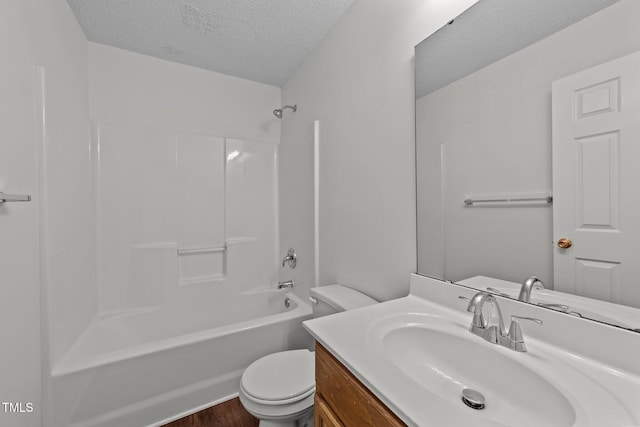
pixel 342 400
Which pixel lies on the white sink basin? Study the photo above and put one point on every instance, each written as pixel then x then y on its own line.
pixel 446 363
pixel 417 356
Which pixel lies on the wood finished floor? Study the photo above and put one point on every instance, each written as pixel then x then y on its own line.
pixel 227 414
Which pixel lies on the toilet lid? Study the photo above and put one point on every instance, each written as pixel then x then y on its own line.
pixel 280 376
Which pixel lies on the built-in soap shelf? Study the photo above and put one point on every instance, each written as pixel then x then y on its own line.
pixel 205 264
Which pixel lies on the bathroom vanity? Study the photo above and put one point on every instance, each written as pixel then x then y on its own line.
pixel 342 400
pixel 413 360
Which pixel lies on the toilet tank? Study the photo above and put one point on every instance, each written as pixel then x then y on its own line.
pixel 336 298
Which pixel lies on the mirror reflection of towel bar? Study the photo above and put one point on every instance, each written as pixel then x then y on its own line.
pixel 187 251
pixel 518 199
pixel 14 197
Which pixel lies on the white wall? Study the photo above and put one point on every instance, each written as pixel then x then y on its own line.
pixel 130 88
pixel 495 125
pixel 43 33
pixel 359 83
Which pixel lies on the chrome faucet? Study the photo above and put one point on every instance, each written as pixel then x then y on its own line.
pixel 287 284
pixel 528 285
pixel 480 326
pixel 496 333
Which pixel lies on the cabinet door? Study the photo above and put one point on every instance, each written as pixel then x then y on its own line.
pixel 324 416
pixel 350 402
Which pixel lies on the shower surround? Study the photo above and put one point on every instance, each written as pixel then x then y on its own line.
pixel 184 168
pixel 182 215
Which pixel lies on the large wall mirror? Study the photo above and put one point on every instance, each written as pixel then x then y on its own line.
pixel 527 136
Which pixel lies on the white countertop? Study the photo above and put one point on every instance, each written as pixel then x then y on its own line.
pixel 601 395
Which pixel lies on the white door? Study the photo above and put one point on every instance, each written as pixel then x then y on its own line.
pixel 19 286
pixel 596 182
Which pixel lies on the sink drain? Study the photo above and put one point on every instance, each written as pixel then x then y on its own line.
pixel 473 399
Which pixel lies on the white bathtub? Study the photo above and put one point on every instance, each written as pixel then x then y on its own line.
pixel 152 367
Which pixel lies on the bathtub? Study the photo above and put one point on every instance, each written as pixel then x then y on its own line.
pixel 154 366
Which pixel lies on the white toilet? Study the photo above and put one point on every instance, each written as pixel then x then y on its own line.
pixel 278 389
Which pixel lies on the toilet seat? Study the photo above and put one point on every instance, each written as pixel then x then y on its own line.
pixel 280 378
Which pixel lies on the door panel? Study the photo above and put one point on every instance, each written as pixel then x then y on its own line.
pixel 596 142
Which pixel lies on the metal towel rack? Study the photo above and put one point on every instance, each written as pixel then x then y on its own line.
pixel 203 250
pixel 14 197
pixel 509 199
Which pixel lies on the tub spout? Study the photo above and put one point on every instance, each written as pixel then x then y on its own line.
pixel 287 284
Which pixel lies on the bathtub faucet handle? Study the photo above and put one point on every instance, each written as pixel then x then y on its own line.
pixel 287 284
pixel 291 258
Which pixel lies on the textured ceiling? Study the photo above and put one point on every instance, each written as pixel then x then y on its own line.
pixel 489 31
pixel 260 40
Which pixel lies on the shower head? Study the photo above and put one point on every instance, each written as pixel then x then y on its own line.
pixel 278 112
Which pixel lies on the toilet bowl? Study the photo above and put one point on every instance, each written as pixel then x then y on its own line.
pixel 279 388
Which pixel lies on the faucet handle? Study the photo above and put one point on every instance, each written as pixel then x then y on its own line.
pixel 516 339
pixel 291 258
pixel 531 319
pixel 470 306
pixel 558 307
pixel 498 292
